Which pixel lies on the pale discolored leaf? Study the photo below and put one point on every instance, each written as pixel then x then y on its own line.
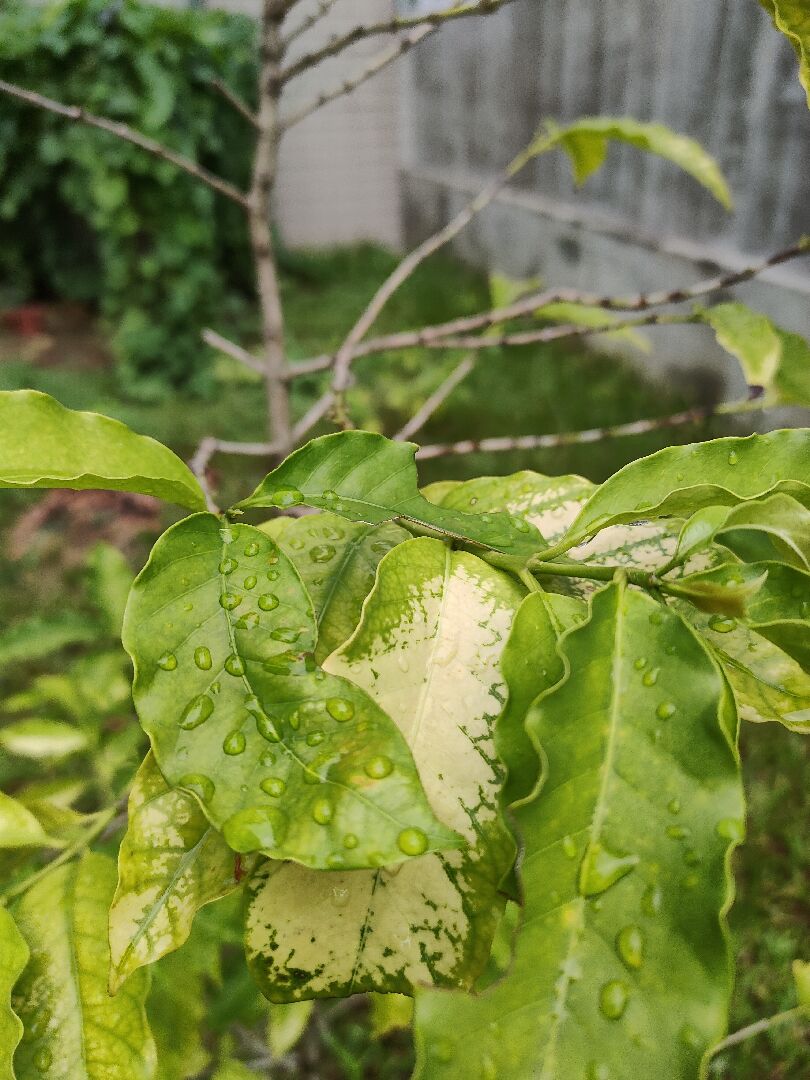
pixel 677 481
pixel 221 632
pixel 75 1031
pixel 13 958
pixel 45 445
pixel 40 739
pixel 337 561
pixel 427 650
pixel 621 964
pixel 366 477
pixel 19 828
pixel 170 864
pixel 793 19
pixel 286 1025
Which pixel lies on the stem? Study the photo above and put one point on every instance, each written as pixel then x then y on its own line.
pixel 529 580
pixel 759 1026
pixel 260 205
pixel 644 579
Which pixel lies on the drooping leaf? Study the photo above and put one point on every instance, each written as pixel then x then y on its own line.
pixel 286 1025
pixel 13 958
pixel 366 477
pixel 39 636
pixel 45 445
pixel 621 965
pixel 793 19
pixel 586 143
pixel 19 828
pixel 42 739
pixel 390 1012
pixel 221 633
pixel 727 591
pixel 75 1030
pixel 171 863
pixel 598 318
pixel 337 561
pixel 776 529
pixel 770 357
pixel 677 481
pixel 427 651
pixel 801 978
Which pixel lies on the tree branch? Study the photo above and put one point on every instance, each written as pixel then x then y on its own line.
pixel 436 399
pixel 128 134
pixel 323 9
pixel 390 26
pixel 696 415
pixel 236 103
pixel 375 65
pixel 236 352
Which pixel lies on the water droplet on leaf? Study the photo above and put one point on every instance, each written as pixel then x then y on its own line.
pixel 722 624
pixel 601 868
pixel 674 806
pixel 731 829
pixel 251 549
pixel 350 841
pixel 287 634
pixel 230 600
pixel 412 842
pixel 255 829
pixel 268 601
pixel 613 999
pixel 196 712
pixel 379 767
pixel 167 662
pixel 733 457
pixel 322 553
pixel 287 496
pixel 630 946
pixel 234 743
pixel 234 665
pixel 200 785
pixel 202 658
pixel 650 678
pixel 652 900
pixel 250 582
pixel 274 786
pixel 227 566
pixel 315 738
pixel 322 811
pixel 569 846
pixel 340 709
pixel 666 710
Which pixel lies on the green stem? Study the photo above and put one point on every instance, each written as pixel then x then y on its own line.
pixel 761 1025
pixel 530 581
pixel 643 578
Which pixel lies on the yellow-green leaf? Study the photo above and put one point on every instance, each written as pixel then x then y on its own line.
pixel 42 739
pixel 13 958
pixel 19 828
pixel 792 17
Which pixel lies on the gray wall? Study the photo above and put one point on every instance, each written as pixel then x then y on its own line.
pixel 712 69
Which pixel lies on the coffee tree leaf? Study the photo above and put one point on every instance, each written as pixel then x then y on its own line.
pixel 724 591
pixel 793 19
pixel 390 1012
pixel 13 958
pixel 20 828
pixel 286 1025
pixel 337 560
pixel 801 980
pixel 75 1031
pixel 621 964
pixel 40 636
pixel 677 481
pixel 221 632
pixel 775 529
pixel 427 650
pixel 45 445
pixel 41 739
pixel 170 864
pixel 366 477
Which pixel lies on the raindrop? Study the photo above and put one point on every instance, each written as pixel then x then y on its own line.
pixel 266 728
pixel 602 868
pixel 198 784
pixel 274 786
pixel 640 663
pixel 295 719
pixel 250 582
pixel 287 496
pixel 569 846
pixel 332 532
pixel 251 549
pixel 322 553
pixel 722 624
pixel 330 497
pixel 691 857
pixel 268 601
pixel 202 658
pixel 652 901
pixel 674 806
pixel 613 999
pixel 733 458
pixel 230 600
pixel 258 828
pixel 340 709
pixel 379 767
pixel 412 842
pixel 167 662
pixel 731 829
pixel 650 678
pixel 402 663
pixel 315 738
pixel 248 621
pixel 196 712
pixel 350 841
pixel 226 534
pixel 267 759
pixel 273 575
pixel 630 946
pixel 284 633
pixel 322 811
pixel 234 743
pixel 227 566
pixel 235 665
pixel 666 710
pixel 216 686
pixel 297 544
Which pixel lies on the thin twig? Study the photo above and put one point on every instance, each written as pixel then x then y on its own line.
pixel 696 415
pixel 434 19
pixel 236 103
pixel 436 399
pixel 746 1033
pixel 128 134
pixel 312 416
pixel 374 66
pixel 230 348
pixel 323 9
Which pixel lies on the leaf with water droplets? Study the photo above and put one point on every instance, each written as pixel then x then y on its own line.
pixel 73 1029
pixel 337 560
pixel 13 958
pixel 366 477
pixel 45 445
pixel 264 684
pixel 427 650
pixel 624 943
pixel 170 864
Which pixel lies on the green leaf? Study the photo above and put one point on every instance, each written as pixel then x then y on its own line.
pixel 569 313
pixel 801 979
pixel 42 739
pixel 40 636
pixel 43 444
pixel 390 1012
pixel 679 480
pixel 726 591
pixel 286 1025
pixel 74 1029
pixel 793 19
pixel 337 561
pixel 769 356
pixel 13 958
pixel 427 651
pixel 170 864
pixel 621 964
pixel 775 529
pixel 586 143
pixel 221 633
pixel 697 532
pixel 110 581
pixel 19 828
pixel 366 477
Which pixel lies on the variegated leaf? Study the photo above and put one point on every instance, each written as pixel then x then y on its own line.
pixel 13 958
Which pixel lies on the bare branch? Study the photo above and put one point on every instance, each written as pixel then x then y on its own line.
pixel 323 9
pixel 697 415
pixel 128 134
pixel 236 352
pixel 375 65
pixel 235 101
pixel 436 399
pixel 312 416
pixel 390 26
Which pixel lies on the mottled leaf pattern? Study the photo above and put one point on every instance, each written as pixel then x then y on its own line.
pixel 621 965
pixel 427 650
pixel 13 958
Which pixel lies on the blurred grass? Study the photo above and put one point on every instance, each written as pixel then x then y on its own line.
pixel 531 391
